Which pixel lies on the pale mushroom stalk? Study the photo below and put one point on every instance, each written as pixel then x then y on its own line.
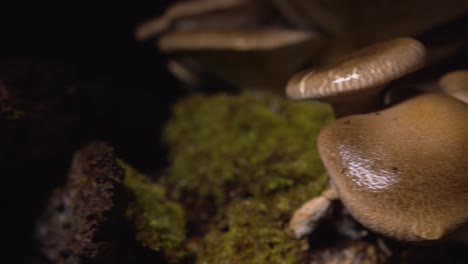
pixel 367 101
pixel 305 218
pixel 455 84
pixel 354 84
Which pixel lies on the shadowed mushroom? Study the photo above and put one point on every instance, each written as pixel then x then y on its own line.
pixel 262 59
pixel 456 84
pixel 354 84
pixel 351 25
pixel 202 14
pixel 344 25
pixel 401 172
pixel 231 40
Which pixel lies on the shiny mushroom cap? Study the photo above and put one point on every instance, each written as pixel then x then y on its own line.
pixel 403 172
pixel 456 84
pixel 360 76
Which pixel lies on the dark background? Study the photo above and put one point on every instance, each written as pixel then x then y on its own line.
pixel 79 59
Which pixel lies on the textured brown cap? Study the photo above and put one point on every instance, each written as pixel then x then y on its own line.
pixel 403 172
pixel 364 69
pixel 456 84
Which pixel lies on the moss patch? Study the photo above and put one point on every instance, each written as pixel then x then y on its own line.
pixel 255 231
pixel 158 223
pixel 224 147
pixel 250 160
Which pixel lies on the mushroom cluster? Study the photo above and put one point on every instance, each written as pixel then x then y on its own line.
pixel 237 41
pixel 259 44
pixel 400 171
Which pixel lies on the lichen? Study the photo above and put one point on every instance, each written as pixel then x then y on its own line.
pixel 158 222
pixel 250 144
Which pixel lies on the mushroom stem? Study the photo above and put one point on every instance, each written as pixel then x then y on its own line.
pixel 305 219
pixel 368 101
pixel 455 84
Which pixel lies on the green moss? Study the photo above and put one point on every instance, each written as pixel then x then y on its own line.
pixel 158 223
pixel 252 156
pixel 250 145
pixel 256 230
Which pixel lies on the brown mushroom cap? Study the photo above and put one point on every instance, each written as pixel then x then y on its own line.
pixel 403 172
pixel 361 74
pixel 232 39
pixel 456 84
pixel 250 59
pixel 191 9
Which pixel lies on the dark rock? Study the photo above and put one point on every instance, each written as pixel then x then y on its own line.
pixel 83 220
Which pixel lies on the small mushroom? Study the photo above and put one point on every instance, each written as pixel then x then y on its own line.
pixel 308 215
pixel 455 84
pixel 354 84
pixel 256 59
pixel 402 172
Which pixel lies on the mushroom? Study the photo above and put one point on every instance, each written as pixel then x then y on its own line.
pixel 455 84
pixel 401 172
pixel 345 26
pixel 189 15
pixel 258 59
pixel 232 40
pixel 354 84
